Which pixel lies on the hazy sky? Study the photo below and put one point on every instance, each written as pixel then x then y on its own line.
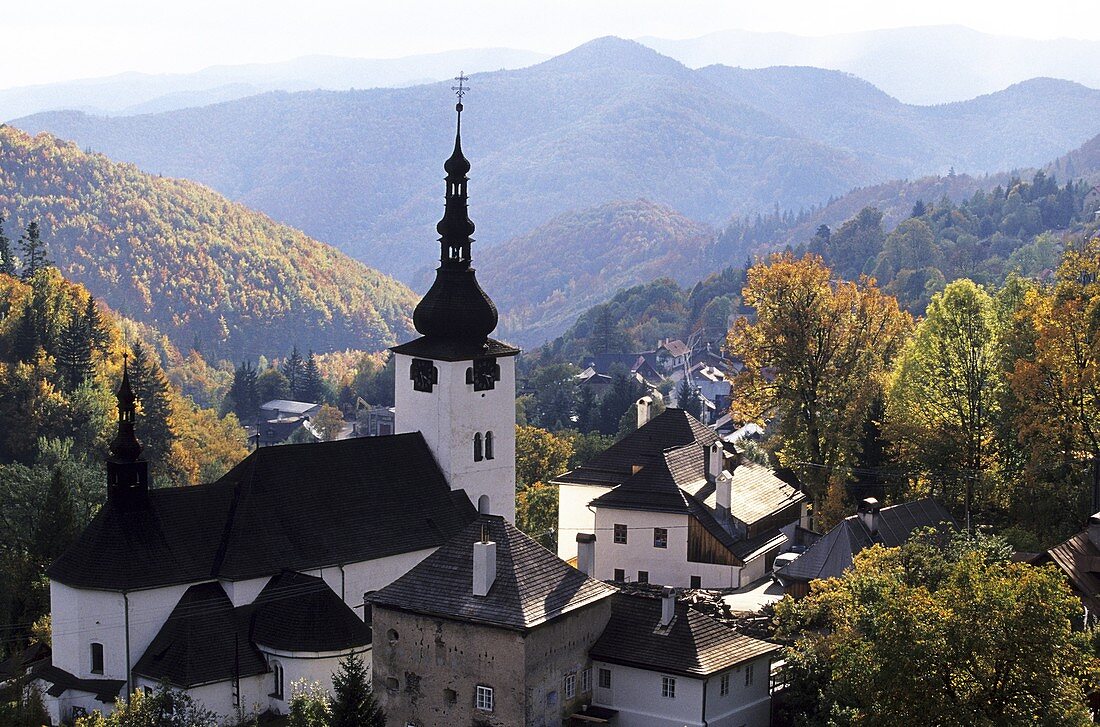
pixel 49 40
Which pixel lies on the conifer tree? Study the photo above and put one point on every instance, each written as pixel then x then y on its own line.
pixel 7 261
pixel 313 388
pixel 34 251
pixel 74 354
pixel 26 335
pixel 353 703
pixel 294 369
pixel 93 324
pixel 687 398
pixel 57 525
pixel 154 425
pixel 243 395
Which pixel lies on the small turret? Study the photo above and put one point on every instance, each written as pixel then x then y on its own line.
pixel 127 472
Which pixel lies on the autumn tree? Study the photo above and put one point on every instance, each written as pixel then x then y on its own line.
pixel 922 636
pixel 540 455
pixel 328 422
pixel 165 707
pixel 271 384
pixel 814 360
pixel 943 397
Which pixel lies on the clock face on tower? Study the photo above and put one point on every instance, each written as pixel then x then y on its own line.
pixel 484 374
pixel 424 374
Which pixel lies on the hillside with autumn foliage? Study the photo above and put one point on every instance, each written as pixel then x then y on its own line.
pixel 182 258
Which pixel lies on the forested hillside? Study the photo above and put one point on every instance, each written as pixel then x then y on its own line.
pixel 610 120
pixel 210 273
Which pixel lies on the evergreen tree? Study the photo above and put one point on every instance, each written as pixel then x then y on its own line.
pixel 74 355
pixel 243 395
pixel 93 324
pixel 353 704
pixel 624 392
pixel 57 524
pixel 34 251
pixel 7 261
pixel 26 335
pixel 313 388
pixel 294 369
pixel 688 399
pixel 154 425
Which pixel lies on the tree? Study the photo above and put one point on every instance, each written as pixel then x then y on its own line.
pixel 537 512
pixel 540 455
pixel 243 395
pixel 7 260
pixel 57 525
pixel 854 247
pixel 814 361
pixel 93 324
pixel 74 354
pixel 294 369
pixel 165 707
pixel 34 251
pixel 353 703
pixel 914 636
pixel 328 422
pixel 154 423
pixel 618 401
pixel 270 385
pixel 312 387
pixel 309 706
pixel 943 397
pixel 688 399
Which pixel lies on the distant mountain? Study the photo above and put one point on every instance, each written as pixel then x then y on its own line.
pixel 179 256
pixel 610 120
pixel 542 280
pixel 921 65
pixel 140 93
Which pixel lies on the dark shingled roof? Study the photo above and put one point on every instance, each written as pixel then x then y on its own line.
pixel 204 640
pixel 454 350
pixel 1079 559
pixel 695 645
pixel 833 554
pixel 299 507
pixel 672 428
pixel 296 612
pixel 105 690
pixel 654 488
pixel 532 584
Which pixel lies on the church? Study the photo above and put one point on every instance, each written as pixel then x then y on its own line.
pixel 236 589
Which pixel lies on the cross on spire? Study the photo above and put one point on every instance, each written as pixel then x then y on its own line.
pixel 461 89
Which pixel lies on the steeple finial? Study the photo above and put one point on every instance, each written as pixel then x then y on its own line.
pixel 125 445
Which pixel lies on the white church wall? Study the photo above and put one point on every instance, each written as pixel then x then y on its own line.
pixel 575 517
pixel 372 575
pixel 451 414
pixel 308 668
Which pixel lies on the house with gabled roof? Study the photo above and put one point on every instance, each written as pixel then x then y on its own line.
pixel 1079 559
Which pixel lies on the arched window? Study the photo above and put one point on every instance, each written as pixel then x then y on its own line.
pixel 97 658
pixel 483 505
pixel 477 447
pixel 277 676
pixel 488 445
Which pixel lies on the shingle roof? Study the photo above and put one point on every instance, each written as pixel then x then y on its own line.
pixel 756 492
pixel 294 506
pixel 286 406
pixel 670 429
pixel 204 640
pixel 653 488
pixel 695 645
pixel 296 612
pixel 532 585
pixel 830 556
pixel 1079 559
pixel 454 350
pixel 105 690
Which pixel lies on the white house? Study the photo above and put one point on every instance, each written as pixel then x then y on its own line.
pixel 671 504
pixel 285 409
pixel 660 663
pixel 235 589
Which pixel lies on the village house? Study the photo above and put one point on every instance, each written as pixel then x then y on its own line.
pixel 277 409
pixel 1079 559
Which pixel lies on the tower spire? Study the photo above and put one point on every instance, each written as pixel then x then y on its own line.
pixel 455 229
pixel 127 472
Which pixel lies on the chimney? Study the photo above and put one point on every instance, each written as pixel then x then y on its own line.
pixel 723 492
pixel 1094 529
pixel 586 554
pixel 869 514
pixel 485 564
pixel 645 410
pixel 715 461
pixel 668 606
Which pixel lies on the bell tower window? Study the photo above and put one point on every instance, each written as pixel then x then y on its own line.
pixel 488 445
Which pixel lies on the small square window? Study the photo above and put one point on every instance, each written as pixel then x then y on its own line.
pixel 391 684
pixel 450 696
pixel 570 685
pixel 643 576
pixel 484 698
pixel 620 575
pixel 668 687
pixel 620 534
pixel 696 582
pixel 605 678
pixel 586 680
pixel 724 685
pixel 748 675
pixel 660 538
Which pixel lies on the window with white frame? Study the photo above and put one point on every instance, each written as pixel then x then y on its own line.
pixel 668 687
pixel 586 680
pixel 724 685
pixel 570 686
pixel 605 678
pixel 277 677
pixel 620 534
pixel 484 699
pixel 748 675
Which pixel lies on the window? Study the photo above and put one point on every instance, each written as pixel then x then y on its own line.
pixel 696 582
pixel 551 698
pixel 643 576
pixel 488 445
pixel 620 533
pixel 484 698
pixel 724 685
pixel 668 687
pixel 97 658
pixel 620 575
pixel 392 636
pixel 660 538
pixel 605 678
pixel 586 680
pixel 570 685
pixel 391 684
pixel 450 696
pixel 748 675
pixel 477 447
pixel 277 677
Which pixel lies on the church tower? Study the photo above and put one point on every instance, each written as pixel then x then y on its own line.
pixel 127 471
pixel 454 384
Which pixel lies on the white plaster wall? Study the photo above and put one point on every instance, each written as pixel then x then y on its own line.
pixel 451 414
pixel 308 668
pixel 636 694
pixel 82 616
pixel 744 705
pixel 218 697
pixel 242 593
pixel 373 575
pixel 575 517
